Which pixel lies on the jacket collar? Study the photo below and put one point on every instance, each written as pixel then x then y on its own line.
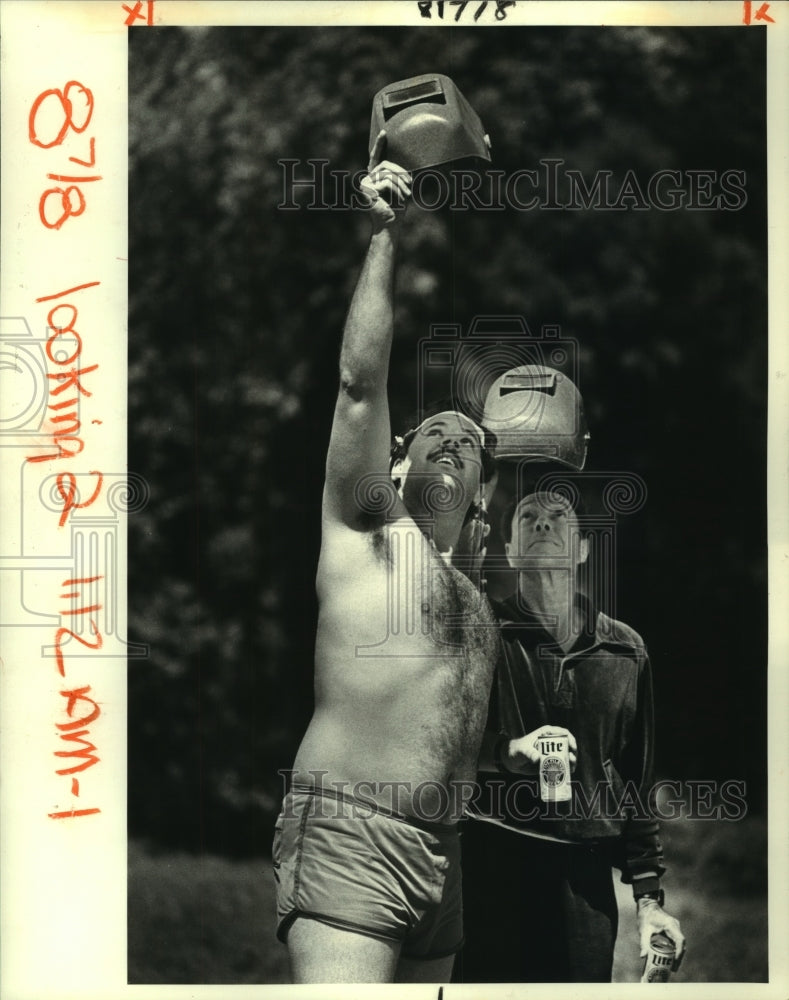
pixel 518 622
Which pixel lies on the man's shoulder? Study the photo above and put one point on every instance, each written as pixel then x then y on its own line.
pixel 371 545
pixel 347 551
pixel 612 630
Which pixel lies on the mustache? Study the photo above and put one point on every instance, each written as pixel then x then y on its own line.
pixel 442 451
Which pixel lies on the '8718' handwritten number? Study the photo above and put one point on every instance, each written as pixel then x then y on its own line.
pixel 53 115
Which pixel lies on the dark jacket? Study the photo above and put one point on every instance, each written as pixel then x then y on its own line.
pixel 602 692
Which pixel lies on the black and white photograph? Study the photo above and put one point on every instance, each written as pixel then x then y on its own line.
pixel 448 373
pixel 449 495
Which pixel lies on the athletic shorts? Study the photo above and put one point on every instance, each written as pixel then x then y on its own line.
pixel 355 866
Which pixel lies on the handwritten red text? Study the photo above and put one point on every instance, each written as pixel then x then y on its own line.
pixel 64 348
pixel 54 115
pixel 761 14
pixel 80 709
pixel 135 13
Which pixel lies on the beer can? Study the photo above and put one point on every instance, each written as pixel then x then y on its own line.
pixel 659 961
pixel 554 768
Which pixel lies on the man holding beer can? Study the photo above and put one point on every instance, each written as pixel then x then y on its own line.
pixel 538 854
pixel 660 959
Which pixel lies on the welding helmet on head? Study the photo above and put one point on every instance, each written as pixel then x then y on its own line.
pixel 537 414
pixel 428 122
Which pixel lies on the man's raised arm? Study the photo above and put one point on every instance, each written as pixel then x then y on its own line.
pixel 360 436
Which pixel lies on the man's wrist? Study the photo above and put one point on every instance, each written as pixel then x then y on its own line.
pixel 649 896
pixel 382 232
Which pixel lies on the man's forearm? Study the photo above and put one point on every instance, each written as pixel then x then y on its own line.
pixel 360 437
pixel 367 338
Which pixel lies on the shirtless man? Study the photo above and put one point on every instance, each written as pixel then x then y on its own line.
pixel 366 851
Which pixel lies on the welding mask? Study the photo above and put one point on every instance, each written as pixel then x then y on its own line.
pixel 428 122
pixel 537 414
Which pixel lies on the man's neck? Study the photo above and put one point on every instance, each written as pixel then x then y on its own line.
pixel 442 531
pixel 446 531
pixel 442 528
pixel 550 595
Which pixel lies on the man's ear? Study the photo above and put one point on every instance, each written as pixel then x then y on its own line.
pixel 583 550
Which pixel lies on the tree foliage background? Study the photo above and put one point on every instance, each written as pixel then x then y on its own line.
pixel 236 313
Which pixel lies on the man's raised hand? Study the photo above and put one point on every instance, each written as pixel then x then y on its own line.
pixel 386 187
